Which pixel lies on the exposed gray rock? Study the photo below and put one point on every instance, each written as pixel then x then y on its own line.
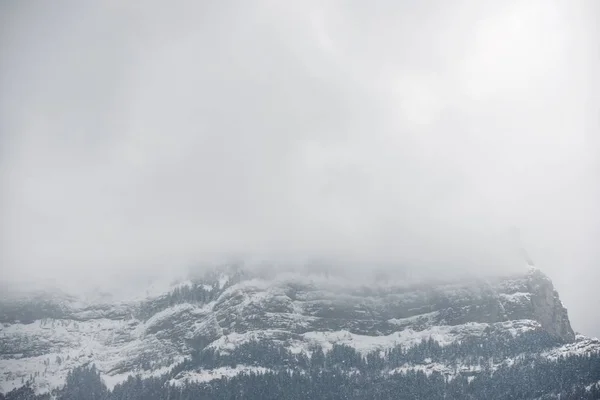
pixel 547 307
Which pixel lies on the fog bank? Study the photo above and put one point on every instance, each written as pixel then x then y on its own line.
pixel 140 140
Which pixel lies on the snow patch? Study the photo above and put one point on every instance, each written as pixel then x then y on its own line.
pixel 417 319
pixel 46 350
pixel 592 386
pixel 217 373
pixel 444 335
pixel 583 346
pixel 446 370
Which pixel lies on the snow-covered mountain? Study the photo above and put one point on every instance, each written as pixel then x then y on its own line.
pixel 44 336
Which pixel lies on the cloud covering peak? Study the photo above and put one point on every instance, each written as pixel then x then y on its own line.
pixel 142 138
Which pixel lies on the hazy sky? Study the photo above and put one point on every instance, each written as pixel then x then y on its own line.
pixel 143 138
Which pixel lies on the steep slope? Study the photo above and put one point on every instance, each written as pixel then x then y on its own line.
pixel 231 312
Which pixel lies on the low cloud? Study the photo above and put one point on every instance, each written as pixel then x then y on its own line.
pixel 140 140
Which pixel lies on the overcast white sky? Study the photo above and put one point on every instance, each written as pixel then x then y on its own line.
pixel 143 138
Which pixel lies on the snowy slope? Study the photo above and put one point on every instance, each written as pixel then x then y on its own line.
pixel 299 311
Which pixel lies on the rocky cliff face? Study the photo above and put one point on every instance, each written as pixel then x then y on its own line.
pixel 43 337
pixel 547 307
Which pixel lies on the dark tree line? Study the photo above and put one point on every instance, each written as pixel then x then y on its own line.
pixel 344 373
pixel 200 292
pixel 195 294
pixel 471 351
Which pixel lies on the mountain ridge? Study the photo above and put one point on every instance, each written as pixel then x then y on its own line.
pixel 227 309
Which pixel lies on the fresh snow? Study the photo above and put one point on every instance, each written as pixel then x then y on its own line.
pixel 421 318
pixel 582 346
pixel 444 335
pixel 446 370
pixel 517 297
pixel 228 343
pixel 593 385
pixel 177 311
pixel 200 376
pixel 112 345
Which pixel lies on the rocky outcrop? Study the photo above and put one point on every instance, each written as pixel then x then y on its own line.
pixel 547 307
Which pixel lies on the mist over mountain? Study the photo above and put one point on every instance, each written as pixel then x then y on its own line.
pixel 402 134
pixel 211 199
